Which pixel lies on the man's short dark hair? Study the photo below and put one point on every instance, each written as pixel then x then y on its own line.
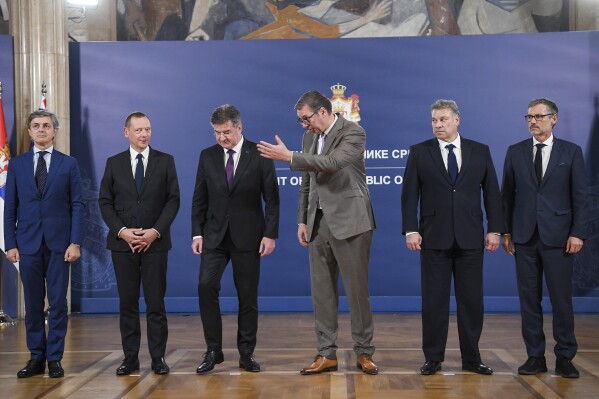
pixel 135 114
pixel 224 114
pixel 315 100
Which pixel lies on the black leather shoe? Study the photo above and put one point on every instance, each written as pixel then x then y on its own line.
pixel 55 369
pixel 533 365
pixel 248 363
pixel 159 366
pixel 566 369
pixel 211 358
pixel 477 367
pixel 128 367
pixel 430 367
pixel 33 367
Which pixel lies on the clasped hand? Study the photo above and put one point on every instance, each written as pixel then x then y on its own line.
pixel 139 239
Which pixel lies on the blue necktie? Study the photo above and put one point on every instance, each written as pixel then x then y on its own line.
pixel 452 163
pixel 139 172
pixel 41 172
pixel 539 162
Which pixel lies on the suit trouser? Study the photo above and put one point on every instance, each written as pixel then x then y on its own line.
pixel 532 260
pixel 437 268
pixel 45 269
pixel 329 257
pixel 246 276
pixel 149 270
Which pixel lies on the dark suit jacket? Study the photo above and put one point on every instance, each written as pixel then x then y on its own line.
pixel 216 208
pixel 155 207
pixel 558 206
pixel 450 213
pixel 337 179
pixel 57 216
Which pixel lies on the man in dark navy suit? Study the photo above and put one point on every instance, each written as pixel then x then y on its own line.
pixel 445 177
pixel 43 230
pixel 234 217
pixel 139 199
pixel 545 208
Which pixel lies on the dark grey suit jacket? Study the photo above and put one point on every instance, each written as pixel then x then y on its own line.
pixel 558 206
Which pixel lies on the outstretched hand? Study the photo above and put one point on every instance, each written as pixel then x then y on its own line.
pixel 277 152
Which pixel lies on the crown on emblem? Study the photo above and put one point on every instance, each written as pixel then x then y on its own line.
pixel 338 90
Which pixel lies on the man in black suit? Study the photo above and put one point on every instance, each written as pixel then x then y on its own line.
pixel 229 223
pixel 444 177
pixel 545 207
pixel 139 199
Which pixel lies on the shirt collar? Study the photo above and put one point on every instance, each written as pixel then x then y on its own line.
pixel 237 147
pixel 48 150
pixel 145 152
pixel 548 142
pixel 457 142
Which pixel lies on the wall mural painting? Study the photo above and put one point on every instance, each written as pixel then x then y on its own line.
pixel 308 19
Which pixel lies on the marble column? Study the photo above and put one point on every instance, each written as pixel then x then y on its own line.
pixel 41 52
pixel 41 55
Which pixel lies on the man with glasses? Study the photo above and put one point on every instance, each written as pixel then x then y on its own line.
pixel 230 223
pixel 544 199
pixel 443 219
pixel 335 223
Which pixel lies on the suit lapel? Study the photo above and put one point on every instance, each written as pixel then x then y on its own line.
pixel 55 162
pixel 123 163
pixel 29 169
pixel 435 153
pixel 244 159
pixel 153 160
pixel 466 158
pixel 331 136
pixel 526 150
pixel 554 159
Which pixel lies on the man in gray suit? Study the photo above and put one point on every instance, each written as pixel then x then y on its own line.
pixel 335 223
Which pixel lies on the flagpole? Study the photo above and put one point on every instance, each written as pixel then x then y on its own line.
pixel 5 319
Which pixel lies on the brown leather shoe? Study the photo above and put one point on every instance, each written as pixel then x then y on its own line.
pixel 366 364
pixel 320 365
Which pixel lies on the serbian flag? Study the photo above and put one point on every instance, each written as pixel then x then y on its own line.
pixel 4 158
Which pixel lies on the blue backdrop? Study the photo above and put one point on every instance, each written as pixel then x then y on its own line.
pixel 178 84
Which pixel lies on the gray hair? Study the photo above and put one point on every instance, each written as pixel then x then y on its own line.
pixel 40 114
pixel 551 106
pixel 446 104
pixel 224 114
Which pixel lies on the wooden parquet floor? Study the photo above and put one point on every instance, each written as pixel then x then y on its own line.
pixel 286 343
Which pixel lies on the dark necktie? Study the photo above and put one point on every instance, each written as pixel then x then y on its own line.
pixel 139 172
pixel 41 172
pixel 230 168
pixel 539 162
pixel 452 163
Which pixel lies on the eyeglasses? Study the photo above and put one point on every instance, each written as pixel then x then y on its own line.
pixel 537 118
pixel 226 133
pixel 306 120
